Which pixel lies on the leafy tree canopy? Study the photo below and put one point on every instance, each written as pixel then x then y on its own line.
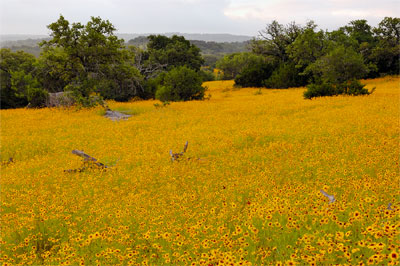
pixel 88 58
pixel 173 52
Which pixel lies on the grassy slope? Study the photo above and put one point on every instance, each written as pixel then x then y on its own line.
pixel 254 196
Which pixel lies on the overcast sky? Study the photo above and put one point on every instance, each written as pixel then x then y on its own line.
pixel 245 17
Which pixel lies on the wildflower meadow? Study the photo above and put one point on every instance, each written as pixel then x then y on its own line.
pixel 247 191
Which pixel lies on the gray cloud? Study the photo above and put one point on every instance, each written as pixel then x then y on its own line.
pixel 200 16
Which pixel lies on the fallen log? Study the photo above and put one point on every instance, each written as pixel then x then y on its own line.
pixel 86 159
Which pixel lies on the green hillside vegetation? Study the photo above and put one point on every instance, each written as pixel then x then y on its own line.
pixel 92 63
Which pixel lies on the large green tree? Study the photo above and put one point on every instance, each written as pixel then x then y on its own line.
pixel 307 48
pixel 87 58
pixel 274 39
pixel 18 84
pixel 173 52
pixel 385 55
pixel 339 65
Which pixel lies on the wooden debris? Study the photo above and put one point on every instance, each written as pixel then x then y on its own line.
pixel 176 156
pixel 330 197
pixel 88 161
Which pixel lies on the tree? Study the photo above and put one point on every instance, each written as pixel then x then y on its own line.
pixel 180 84
pixel 389 30
pixel 18 83
pixel 336 73
pixel 385 55
pixel 359 30
pixel 307 48
pixel 274 39
pixel 173 52
pixel 275 43
pixel 55 70
pixel 286 75
pixel 88 57
pixel 254 74
pixel 233 64
pixel 339 65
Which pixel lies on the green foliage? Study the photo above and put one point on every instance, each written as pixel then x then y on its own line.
pixel 180 84
pixel 233 64
pixel 359 30
pixel 385 55
pixel 17 78
pixel 274 40
pixel 339 65
pixel 254 75
pixel 173 52
pixel 89 58
pixel 206 75
pixel 285 76
pixel 353 87
pixel 319 90
pixel 55 70
pixel 123 82
pixel 37 97
pixel 307 48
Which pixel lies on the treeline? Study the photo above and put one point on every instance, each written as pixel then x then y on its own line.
pixel 210 50
pixel 328 62
pixel 91 63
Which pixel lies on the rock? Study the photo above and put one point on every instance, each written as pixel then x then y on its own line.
pixel 57 99
pixel 115 115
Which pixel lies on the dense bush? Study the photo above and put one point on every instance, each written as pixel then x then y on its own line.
pixel 233 64
pixel 353 87
pixel 254 75
pixel 180 84
pixel 206 75
pixel 285 76
pixel 37 97
pixel 319 90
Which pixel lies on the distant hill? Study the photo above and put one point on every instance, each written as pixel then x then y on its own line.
pixel 18 37
pixel 207 37
pixel 213 46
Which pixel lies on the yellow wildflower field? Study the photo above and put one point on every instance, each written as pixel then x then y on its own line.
pixel 246 192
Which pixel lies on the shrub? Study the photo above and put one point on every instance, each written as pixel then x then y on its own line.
pixel 319 90
pixel 37 97
pixel 206 75
pixel 285 76
pixel 180 84
pixel 353 87
pixel 233 64
pixel 254 75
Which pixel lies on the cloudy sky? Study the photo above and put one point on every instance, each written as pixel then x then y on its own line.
pixel 190 16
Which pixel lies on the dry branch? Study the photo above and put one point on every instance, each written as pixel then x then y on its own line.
pixel 86 159
pixel 176 156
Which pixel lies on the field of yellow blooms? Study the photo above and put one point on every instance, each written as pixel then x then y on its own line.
pixel 246 192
